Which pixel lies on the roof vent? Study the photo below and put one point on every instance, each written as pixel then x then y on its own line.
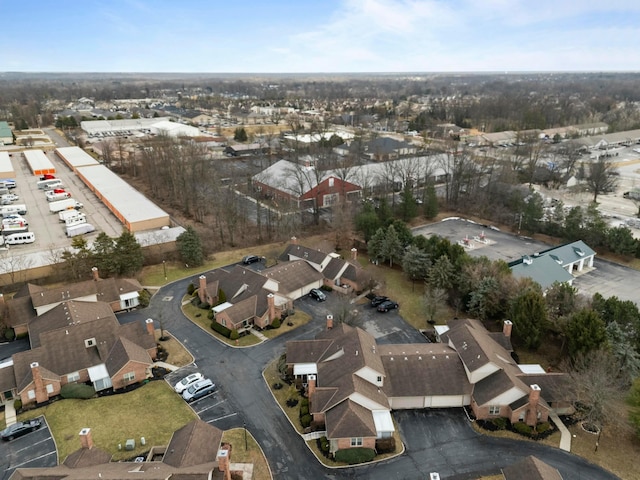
pixel 527 260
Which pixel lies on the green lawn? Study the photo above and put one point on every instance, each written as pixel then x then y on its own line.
pixel 153 411
pixel 252 454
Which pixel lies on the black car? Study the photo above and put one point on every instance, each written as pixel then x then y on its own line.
pixel 377 300
pixel 18 429
pixel 249 259
pixel 318 294
pixel 387 305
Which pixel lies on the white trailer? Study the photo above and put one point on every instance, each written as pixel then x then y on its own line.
pixel 75 220
pixel 6 210
pixel 80 229
pixel 14 228
pixel 58 196
pixel 66 204
pixel 64 215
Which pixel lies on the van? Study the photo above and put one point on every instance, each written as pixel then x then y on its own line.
pixel 199 390
pixel 7 210
pixel 49 184
pixel 8 183
pixel 19 238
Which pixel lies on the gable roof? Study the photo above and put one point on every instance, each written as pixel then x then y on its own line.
pixel 531 468
pixel 544 270
pixel 306 351
pixel 349 419
pixel 295 252
pixel 195 443
pixel 86 457
pixel 292 275
pixel 419 369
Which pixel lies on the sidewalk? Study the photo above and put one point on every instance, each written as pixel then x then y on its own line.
pixel 9 413
pixel 565 435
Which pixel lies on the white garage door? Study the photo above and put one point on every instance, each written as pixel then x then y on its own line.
pixel 448 401
pixel 404 403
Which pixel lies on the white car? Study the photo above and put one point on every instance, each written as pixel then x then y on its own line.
pixel 187 381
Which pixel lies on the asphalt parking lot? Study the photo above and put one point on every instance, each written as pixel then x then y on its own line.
pixel 607 278
pixel 36 449
pixel 213 408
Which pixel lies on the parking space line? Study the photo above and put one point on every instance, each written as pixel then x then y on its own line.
pixel 31 460
pixel 210 406
pixel 32 444
pixel 222 418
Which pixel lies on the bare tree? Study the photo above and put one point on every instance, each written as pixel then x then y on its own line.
pixel 602 177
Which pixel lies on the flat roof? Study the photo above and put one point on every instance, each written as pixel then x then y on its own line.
pixel 128 201
pixel 5 162
pixel 38 160
pixel 76 157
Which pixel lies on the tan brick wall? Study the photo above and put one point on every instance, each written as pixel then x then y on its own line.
pixel 140 370
pixel 367 442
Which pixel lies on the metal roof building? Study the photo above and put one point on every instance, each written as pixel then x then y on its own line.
pixel 38 162
pixel 6 167
pixel 6 135
pixel 131 207
pixel 76 157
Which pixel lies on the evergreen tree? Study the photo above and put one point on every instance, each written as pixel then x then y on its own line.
pixel 103 248
pixel 240 134
pixel 392 247
pixel 190 247
pixel 367 221
pixel 415 264
pixel 529 316
pixel 585 333
pixel 408 206
pixel 375 246
pixel 128 254
pixel 431 202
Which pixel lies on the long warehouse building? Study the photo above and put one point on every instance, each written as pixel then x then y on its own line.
pixel 6 167
pixel 38 162
pixel 76 157
pixel 133 209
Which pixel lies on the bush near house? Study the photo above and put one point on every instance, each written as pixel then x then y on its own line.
pixel 77 390
pixel 353 456
pixel 191 289
pixel 275 323
pixel 305 421
pixel 522 428
pixel 385 445
pixel 234 335
pixel 221 329
pixel 323 445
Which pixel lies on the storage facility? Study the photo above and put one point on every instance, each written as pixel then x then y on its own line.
pixel 76 157
pixel 6 135
pixel 6 167
pixel 133 209
pixel 39 163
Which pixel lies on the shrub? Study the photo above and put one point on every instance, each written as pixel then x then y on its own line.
pixel 386 445
pixel 210 314
pixel 9 334
pixel 77 390
pixel 353 456
pixel 191 288
pixel 326 288
pixel 292 402
pixel 221 329
pixel 304 402
pixel 500 423
pixel 277 386
pixel 234 335
pixel 543 427
pixel 522 428
pixel 144 297
pixel 275 323
pixel 324 444
pixel 304 410
pixel 305 421
pixel 17 404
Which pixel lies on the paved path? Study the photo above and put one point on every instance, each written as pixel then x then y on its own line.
pixel 434 438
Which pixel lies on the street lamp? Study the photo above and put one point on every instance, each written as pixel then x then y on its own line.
pixel 164 267
pixel 244 425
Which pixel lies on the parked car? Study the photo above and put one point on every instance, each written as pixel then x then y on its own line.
pixel 187 381
pixel 249 259
pixel 318 294
pixel 378 299
pixel 198 390
pixel 387 305
pixel 21 428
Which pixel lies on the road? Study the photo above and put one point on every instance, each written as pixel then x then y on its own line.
pixel 435 438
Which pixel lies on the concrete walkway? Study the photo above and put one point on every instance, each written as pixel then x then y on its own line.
pixel 258 334
pixel 565 435
pixel 9 413
pixel 168 366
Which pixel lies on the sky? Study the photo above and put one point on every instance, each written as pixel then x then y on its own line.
pixel 309 36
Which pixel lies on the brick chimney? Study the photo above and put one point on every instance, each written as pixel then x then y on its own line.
pixel 532 411
pixel 202 288
pixel 271 305
pixel 85 438
pixel 150 328
pixel 311 386
pixel 294 241
pixel 354 254
pixel 507 326
pixel 329 322
pixel 224 461
pixel 41 391
pixel 95 273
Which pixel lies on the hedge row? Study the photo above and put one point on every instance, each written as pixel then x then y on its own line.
pixel 353 456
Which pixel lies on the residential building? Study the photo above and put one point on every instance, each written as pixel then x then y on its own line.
pixel 195 451
pixel 353 383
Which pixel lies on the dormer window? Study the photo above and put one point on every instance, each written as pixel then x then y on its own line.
pixel 90 342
